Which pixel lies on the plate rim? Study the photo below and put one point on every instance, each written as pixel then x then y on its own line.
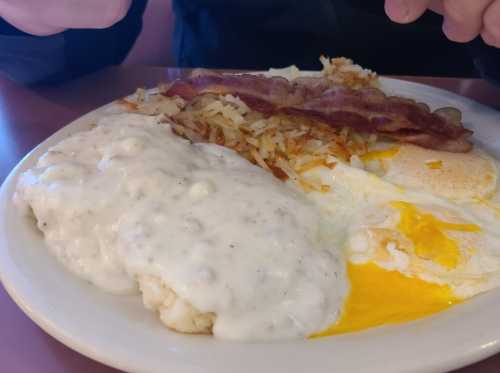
pixel 475 354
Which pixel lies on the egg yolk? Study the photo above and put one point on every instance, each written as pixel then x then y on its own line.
pixel 379 297
pixel 428 236
pixel 434 165
pixel 380 154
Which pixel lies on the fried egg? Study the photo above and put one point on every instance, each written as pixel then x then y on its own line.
pixel 458 176
pixel 414 247
pixel 397 234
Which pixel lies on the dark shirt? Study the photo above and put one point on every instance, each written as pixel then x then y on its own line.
pixel 258 34
pixel 29 59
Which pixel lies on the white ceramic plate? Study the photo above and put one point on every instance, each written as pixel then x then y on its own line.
pixel 118 331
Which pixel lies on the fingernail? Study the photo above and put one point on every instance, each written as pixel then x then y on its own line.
pixel 454 32
pixel 489 38
pixel 398 10
pixel 404 10
pixel 447 27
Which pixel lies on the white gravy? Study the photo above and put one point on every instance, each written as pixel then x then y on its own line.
pixel 130 198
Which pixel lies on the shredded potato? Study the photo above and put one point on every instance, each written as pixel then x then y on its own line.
pixel 343 71
pixel 288 146
pixel 271 143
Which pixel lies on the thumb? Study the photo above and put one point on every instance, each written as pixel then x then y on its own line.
pixel 406 11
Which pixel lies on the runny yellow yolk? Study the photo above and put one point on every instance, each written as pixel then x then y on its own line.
pixel 380 154
pixel 428 235
pixel 379 297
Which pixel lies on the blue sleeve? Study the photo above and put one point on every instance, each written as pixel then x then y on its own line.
pixel 26 59
pixel 487 60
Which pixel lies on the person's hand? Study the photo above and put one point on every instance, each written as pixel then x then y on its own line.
pixel 464 20
pixel 47 17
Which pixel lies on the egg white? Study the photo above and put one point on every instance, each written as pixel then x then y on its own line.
pixel 362 221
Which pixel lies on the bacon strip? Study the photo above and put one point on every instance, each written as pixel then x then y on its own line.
pixel 365 110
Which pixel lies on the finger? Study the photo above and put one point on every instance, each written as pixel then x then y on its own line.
pixel 463 19
pixel 491 25
pixel 406 11
pixel 437 6
pixel 94 14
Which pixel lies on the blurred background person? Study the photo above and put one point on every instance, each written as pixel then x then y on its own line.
pixel 250 34
pixel 261 33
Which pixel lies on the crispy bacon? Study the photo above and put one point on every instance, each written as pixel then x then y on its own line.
pixel 365 110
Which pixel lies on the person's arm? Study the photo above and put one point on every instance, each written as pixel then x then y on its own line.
pixel 32 59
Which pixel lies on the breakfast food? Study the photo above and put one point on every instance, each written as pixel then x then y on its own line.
pixel 365 109
pixel 228 239
pixel 250 207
